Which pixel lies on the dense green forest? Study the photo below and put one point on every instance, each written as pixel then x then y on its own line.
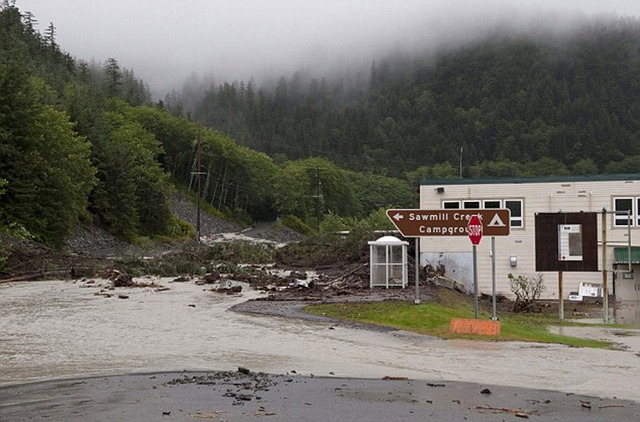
pixel 81 143
pixel 508 105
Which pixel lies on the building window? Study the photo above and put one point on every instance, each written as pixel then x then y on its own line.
pixel 492 204
pixel 451 205
pixel 515 205
pixel 471 205
pixel 622 209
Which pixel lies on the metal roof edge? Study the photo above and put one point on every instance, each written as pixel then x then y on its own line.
pixel 621 255
pixel 533 179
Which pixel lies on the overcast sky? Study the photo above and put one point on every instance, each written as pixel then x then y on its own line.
pixel 166 41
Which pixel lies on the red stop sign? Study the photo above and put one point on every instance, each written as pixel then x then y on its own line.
pixel 475 229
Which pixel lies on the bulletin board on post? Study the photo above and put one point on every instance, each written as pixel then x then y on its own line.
pixel 566 241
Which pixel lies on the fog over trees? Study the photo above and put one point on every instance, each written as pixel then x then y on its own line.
pixel 514 104
pixel 217 40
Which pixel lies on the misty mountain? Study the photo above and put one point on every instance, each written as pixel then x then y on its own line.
pixel 82 143
pixel 566 103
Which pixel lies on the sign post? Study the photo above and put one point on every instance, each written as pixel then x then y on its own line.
pixel 566 242
pixel 417 265
pixel 475 229
pixel 452 222
pixel 494 315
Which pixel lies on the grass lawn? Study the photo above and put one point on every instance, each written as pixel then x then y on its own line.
pixel 433 318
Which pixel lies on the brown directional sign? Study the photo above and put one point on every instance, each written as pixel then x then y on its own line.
pixel 423 223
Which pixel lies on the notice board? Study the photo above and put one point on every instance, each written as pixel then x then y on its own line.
pixel 566 241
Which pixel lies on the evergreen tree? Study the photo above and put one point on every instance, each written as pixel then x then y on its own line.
pixel 133 193
pixel 50 36
pixel 113 77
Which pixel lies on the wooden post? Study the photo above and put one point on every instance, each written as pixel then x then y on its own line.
pixel 417 268
pixel 560 297
pixel 494 315
pixel 605 290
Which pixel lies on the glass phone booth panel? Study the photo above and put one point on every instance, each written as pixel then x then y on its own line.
pixel 388 262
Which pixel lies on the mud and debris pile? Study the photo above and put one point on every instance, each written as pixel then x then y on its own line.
pixel 277 234
pixel 261 278
pixel 18 255
pixel 342 282
pixel 314 269
pixel 119 279
pixel 242 385
pixel 24 260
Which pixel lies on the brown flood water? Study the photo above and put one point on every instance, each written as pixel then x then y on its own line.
pixel 58 329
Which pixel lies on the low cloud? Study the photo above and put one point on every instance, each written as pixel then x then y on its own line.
pixel 166 41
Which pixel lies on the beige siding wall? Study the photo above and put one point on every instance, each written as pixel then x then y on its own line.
pixel 536 197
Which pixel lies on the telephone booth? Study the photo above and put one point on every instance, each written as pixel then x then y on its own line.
pixel 388 262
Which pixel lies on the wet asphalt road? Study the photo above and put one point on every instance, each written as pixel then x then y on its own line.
pixel 237 397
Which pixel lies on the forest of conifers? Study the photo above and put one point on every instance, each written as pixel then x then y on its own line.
pixel 515 105
pixel 82 142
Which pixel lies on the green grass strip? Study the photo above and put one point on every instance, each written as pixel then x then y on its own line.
pixel 434 319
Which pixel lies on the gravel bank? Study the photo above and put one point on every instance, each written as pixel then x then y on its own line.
pixel 94 241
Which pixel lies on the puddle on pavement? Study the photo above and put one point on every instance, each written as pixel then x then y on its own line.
pixel 621 312
pixel 476 345
pixel 627 312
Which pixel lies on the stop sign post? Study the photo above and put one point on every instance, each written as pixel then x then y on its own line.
pixel 451 222
pixel 475 229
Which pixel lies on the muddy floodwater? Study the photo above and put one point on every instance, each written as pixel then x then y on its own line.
pixel 59 329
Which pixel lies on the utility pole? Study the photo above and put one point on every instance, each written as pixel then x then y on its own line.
pixel 318 196
pixel 198 173
pixel 199 190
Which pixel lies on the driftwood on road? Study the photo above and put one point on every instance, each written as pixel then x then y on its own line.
pixel 34 276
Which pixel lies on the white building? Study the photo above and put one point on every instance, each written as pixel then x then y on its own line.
pixel 515 253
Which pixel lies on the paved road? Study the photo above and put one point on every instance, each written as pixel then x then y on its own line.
pixel 238 397
pixel 62 330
